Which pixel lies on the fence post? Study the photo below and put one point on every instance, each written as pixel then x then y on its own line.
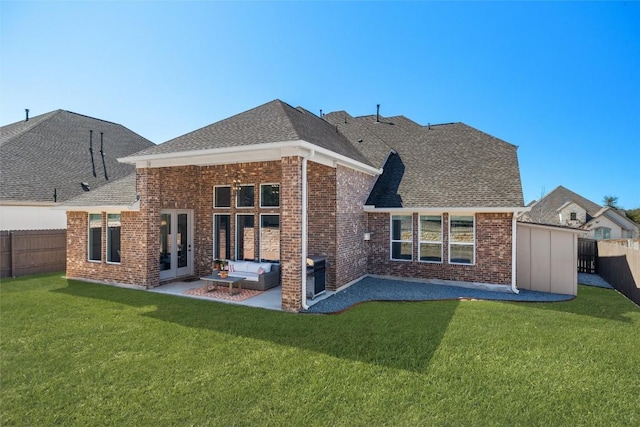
pixel 12 254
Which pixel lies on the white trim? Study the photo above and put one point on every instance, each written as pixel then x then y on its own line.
pixel 514 252
pixel 253 205
pixel 305 232
pixel 268 151
pixel 89 237
pixel 553 227
pixel 215 239
pixel 473 245
pixel 392 241
pixel 214 197
pixel 135 207
pixel 109 240
pixel 428 210
pixel 252 215
pixel 441 242
pixel 260 195
pixel 260 236
pixel 6 202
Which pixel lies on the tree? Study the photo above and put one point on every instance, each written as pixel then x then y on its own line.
pixel 634 215
pixel 611 201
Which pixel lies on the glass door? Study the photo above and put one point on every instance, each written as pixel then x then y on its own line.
pixel 175 244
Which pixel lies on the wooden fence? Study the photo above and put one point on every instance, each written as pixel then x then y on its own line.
pixel 33 251
pixel 620 266
pixel 587 256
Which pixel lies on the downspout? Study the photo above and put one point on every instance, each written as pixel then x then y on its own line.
pixel 303 260
pixel 514 227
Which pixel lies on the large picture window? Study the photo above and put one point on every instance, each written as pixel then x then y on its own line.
pixel 245 196
pixel 222 197
pixel 245 237
pixel 95 237
pixel 270 238
pixel 461 239
pixel 602 233
pixel 269 195
pixel 430 238
pixel 221 237
pixel 113 238
pixel 402 237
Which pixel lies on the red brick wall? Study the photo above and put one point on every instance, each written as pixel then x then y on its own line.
pixel 493 251
pixel 291 232
pixel 321 216
pixel 353 188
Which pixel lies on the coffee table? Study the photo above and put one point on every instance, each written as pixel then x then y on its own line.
pixel 215 279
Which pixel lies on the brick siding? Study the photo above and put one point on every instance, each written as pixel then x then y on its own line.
pixel 493 251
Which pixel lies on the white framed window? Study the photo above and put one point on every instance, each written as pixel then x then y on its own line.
pixel 94 240
pixel 222 196
pixel 402 237
pixel 222 236
pixel 270 237
pixel 245 237
pixel 430 232
pixel 245 196
pixel 602 233
pixel 462 239
pixel 114 226
pixel 270 195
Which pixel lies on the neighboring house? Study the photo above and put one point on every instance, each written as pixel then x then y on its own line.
pixel 383 196
pixel 53 157
pixel 566 208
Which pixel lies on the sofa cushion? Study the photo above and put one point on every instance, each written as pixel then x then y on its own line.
pixel 252 267
pixel 251 277
pixel 238 266
pixel 266 266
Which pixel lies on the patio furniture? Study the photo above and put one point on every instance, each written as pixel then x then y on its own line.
pixel 215 279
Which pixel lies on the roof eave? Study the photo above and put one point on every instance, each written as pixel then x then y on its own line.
pixel 135 207
pixel 456 209
pixel 270 151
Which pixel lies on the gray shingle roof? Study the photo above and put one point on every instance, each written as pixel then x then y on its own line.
pixel 274 121
pixel 51 151
pixel 545 210
pixel 121 192
pixel 452 165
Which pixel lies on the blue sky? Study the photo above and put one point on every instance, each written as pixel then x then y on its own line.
pixel 559 80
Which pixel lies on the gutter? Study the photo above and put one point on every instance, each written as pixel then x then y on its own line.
pixel 303 260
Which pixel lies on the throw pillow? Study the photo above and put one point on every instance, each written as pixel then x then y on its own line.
pixel 261 270
pixel 231 268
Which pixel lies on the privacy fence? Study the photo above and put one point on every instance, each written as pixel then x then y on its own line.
pixel 30 252
pixel 619 264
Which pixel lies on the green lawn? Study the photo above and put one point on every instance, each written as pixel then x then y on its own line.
pixel 75 353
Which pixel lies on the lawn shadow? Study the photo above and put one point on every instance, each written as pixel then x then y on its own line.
pixel 594 302
pixel 399 335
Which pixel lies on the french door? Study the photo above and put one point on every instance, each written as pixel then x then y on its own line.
pixel 176 243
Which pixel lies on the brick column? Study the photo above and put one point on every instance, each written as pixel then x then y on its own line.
pixel 291 233
pixel 148 187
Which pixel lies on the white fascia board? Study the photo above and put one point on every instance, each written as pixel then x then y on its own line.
pixel 552 227
pixel 247 153
pixel 26 203
pixel 452 209
pixel 104 208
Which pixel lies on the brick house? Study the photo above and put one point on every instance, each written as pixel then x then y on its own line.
pixel 374 195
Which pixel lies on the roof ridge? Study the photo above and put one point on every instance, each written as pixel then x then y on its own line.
pixel 29 128
pixel 90 117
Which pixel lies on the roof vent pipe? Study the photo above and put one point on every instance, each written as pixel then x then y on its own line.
pixel 321 115
pixel 378 113
pixel 26 111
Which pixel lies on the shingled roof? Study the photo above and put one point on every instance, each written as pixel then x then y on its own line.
pixel 275 121
pixel 545 210
pixel 50 153
pixel 119 193
pixel 450 165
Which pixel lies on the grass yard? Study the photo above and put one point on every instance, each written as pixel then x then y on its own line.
pixel 75 353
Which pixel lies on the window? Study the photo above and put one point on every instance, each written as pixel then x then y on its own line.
pixel 602 233
pixel 221 237
pixel 573 216
pixel 222 197
pixel 461 239
pixel 401 237
pixel 269 195
pixel 430 238
pixel 245 237
pixel 113 238
pixel 95 237
pixel 270 238
pixel 244 196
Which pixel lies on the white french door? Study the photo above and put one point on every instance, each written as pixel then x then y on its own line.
pixel 176 243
